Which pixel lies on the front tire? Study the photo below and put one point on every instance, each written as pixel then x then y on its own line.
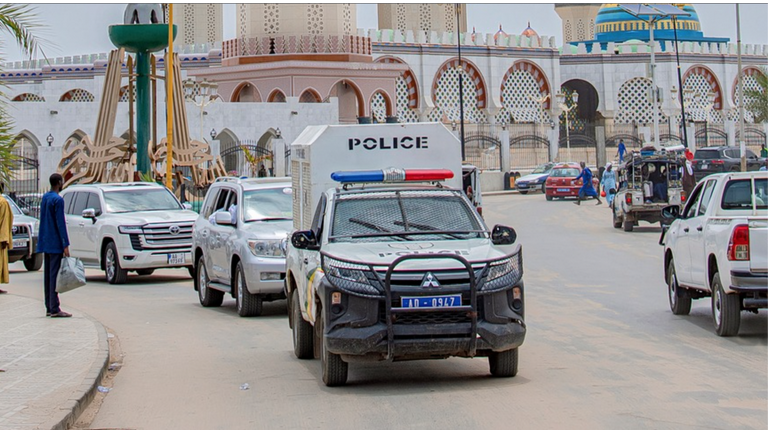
pixel 726 309
pixel 303 346
pixel 34 263
pixel 335 370
pixel 115 273
pixel 523 192
pixel 503 364
pixel 616 220
pixel 248 305
pixel 208 296
pixel 679 302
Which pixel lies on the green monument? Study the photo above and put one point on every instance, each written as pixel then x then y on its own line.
pixel 142 33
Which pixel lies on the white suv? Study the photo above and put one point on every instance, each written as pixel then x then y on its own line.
pixel 239 242
pixel 135 226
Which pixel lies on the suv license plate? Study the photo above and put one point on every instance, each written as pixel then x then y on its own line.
pixel 20 243
pixel 704 167
pixel 563 190
pixel 452 301
pixel 177 259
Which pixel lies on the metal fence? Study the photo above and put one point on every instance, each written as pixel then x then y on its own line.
pixel 528 145
pixel 247 158
pixel 754 138
pixel 708 134
pixel 578 143
pixel 482 146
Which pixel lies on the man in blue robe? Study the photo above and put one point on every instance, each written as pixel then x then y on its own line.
pixel 587 189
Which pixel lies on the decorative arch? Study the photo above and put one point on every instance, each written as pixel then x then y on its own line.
pixel 28 97
pixel 475 77
pixel 244 91
pixel 77 134
pixel 29 144
pixel 750 81
pixel 410 87
pixel 347 83
pixel 708 79
pixel 123 94
pixel 310 95
pixel 381 106
pixel 525 94
pixel 633 103
pixel 276 96
pixel 525 66
pixel 77 95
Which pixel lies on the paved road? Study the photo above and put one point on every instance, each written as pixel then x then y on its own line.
pixel 603 350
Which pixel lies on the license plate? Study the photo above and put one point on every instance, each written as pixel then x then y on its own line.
pixel 704 167
pixel 177 259
pixel 454 300
pixel 20 243
pixel 563 190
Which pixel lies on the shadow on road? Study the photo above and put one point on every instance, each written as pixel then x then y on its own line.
pixel 753 329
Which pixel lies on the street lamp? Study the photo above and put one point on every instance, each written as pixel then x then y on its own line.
pixel 213 134
pixel 207 95
pixel 561 101
pixel 49 139
pixel 278 133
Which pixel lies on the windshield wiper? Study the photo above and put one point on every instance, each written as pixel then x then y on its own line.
pixel 427 228
pixel 376 227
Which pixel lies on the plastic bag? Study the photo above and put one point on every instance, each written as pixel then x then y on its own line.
pixel 71 275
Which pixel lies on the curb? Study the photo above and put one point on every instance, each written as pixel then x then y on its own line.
pixel 71 410
pixel 499 193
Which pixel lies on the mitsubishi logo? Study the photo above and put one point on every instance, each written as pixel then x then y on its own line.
pixel 15 229
pixel 430 281
pixel 174 230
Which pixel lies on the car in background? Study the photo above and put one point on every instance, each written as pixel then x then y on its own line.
pixel 718 159
pixel 239 242
pixel 535 180
pixel 24 231
pixel 562 181
pixel 134 226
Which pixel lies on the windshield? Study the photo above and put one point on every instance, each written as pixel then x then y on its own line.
pixel 706 154
pixel 404 215
pixel 142 199
pixel 267 204
pixel 738 194
pixel 564 172
pixel 544 168
pixel 14 209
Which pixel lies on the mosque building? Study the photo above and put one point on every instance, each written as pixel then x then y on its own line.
pixel 294 65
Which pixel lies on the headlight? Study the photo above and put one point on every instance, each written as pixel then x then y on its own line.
pixel 130 229
pixel 33 228
pixel 504 273
pixel 266 248
pixel 350 277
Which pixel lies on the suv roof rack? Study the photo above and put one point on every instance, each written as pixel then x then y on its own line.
pixel 268 180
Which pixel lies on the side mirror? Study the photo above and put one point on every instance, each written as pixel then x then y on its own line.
pixel 89 213
pixel 25 211
pixel 304 240
pixel 502 235
pixel 670 213
pixel 186 206
pixel 223 218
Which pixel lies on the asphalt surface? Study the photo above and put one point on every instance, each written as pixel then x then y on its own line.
pixel 602 350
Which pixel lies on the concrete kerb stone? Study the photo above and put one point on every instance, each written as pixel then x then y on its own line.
pixel 82 397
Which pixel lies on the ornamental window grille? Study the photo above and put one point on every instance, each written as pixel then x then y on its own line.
pixel 28 97
pixel 634 103
pixel 447 98
pixel 315 19
pixel 400 15
pixel 78 95
pixel 347 14
pixel 211 23
pixel 379 108
pixel 271 18
pixel 750 83
pixel 520 99
pixel 124 94
pixel 404 111
pixel 308 97
pixel 697 104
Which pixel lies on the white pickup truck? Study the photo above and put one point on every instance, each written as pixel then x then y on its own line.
pixel 718 247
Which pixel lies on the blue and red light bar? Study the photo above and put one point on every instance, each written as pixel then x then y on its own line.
pixel 392 175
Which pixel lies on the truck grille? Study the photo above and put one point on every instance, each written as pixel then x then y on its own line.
pixel 163 237
pixel 432 318
pixel 20 231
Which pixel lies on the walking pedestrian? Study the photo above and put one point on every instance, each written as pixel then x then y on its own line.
pixel 587 189
pixel 622 150
pixel 763 151
pixel 689 180
pixel 6 238
pixel 608 183
pixel 53 242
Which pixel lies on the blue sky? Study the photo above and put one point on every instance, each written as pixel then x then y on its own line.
pixel 74 35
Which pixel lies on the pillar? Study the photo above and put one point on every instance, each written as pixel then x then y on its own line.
pixel 505 161
pixel 600 138
pixel 143 112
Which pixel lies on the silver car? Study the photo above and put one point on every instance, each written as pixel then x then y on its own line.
pixel 239 242
pixel 24 231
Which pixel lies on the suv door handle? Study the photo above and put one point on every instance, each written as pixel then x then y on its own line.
pixel 82 224
pixel 204 233
pixel 685 229
pixel 699 228
pixel 306 261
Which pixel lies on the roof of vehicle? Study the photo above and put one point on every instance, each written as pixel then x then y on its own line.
pixel 738 175
pixel 567 164
pixel 255 183
pixel 391 187
pixel 116 186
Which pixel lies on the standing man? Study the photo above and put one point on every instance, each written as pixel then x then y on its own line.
pixel 586 188
pixel 763 151
pixel 6 238
pixel 689 180
pixel 622 150
pixel 53 242
pixel 608 183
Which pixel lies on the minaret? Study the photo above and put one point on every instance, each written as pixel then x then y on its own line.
pixel 297 19
pixel 578 20
pixel 439 17
pixel 197 23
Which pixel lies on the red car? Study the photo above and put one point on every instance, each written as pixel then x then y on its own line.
pixel 560 182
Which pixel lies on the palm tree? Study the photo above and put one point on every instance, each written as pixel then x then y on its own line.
pixel 757 98
pixel 20 22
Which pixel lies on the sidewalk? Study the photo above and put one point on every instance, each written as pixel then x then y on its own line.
pixel 51 367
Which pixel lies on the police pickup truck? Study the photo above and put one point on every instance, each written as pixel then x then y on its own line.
pixel 397 266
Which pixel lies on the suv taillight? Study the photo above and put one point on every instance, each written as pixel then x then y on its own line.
pixel 683 196
pixel 628 198
pixel 738 246
pixel 718 162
